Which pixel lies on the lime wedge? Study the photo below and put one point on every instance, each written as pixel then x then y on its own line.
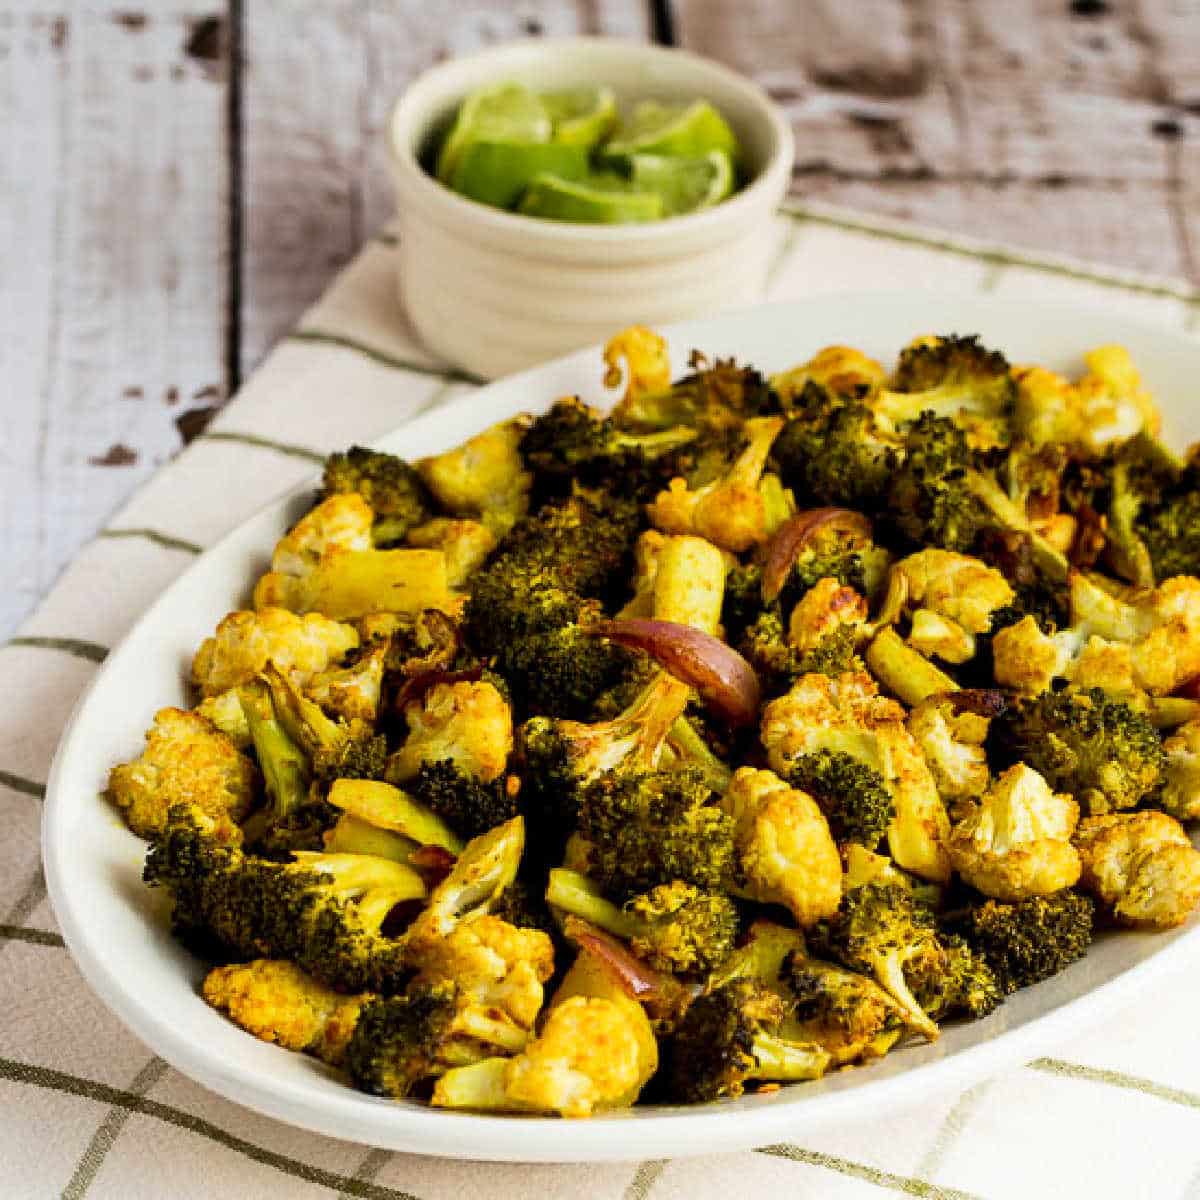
pixel 596 200
pixel 685 184
pixel 688 131
pixel 508 113
pixel 581 116
pixel 497 173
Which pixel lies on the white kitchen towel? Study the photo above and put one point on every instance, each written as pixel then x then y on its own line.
pixel 87 1111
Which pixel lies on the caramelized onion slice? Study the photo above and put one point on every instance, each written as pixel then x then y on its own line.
pixel 725 680
pixel 796 532
pixel 415 686
pixel 637 979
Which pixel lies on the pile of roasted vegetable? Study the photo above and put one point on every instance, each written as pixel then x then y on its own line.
pixel 740 735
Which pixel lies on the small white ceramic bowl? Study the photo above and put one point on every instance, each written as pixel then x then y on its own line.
pixel 494 292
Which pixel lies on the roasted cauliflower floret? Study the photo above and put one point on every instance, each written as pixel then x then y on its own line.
pixel 785 852
pixel 647 363
pixel 823 713
pixel 466 544
pixel 244 642
pixel 1016 842
pixel 499 965
pixel 340 522
pixel 468 723
pixel 483 478
pixel 225 711
pixel 955 587
pixel 731 511
pixel 1028 660
pixel 352 692
pixel 689 582
pixel 1108 404
pixel 840 370
pixel 1113 403
pixel 1145 643
pixel 1141 866
pixel 848 715
pixel 1047 407
pixel 277 1002
pixel 326 564
pixel 951 732
pixel 936 636
pixel 824 609
pixel 186 761
pixel 586 1056
pixel 1180 795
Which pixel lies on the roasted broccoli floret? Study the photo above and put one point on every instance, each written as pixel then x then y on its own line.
pixel 1153 506
pixel 645 828
pixel 952 377
pixel 1171 531
pixel 778 663
pixel 1029 941
pixel 562 757
pixel 853 796
pixel 713 398
pixel 1099 750
pixel 401 1041
pixel 883 931
pixel 675 927
pixel 468 805
pixel 729 1037
pixel 568 672
pixel 324 912
pixel 929 500
pixel 966 986
pixel 846 1013
pixel 389 485
pixel 574 443
pixel 833 451
pixel 529 603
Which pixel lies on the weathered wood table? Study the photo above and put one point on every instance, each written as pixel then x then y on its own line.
pixel 177 183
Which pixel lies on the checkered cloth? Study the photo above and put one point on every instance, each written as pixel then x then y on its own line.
pixel 86 1110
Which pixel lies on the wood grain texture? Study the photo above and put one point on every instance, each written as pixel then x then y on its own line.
pixel 112 212
pixel 316 179
pixel 166 212
pixel 1042 123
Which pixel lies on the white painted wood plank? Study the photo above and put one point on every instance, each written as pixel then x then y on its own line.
pixel 320 79
pixel 31 77
pixel 113 207
pixel 1029 122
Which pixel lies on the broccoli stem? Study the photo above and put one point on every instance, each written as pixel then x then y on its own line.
pixel 353 835
pixel 576 894
pixel 694 751
pixel 905 672
pixel 889 973
pixel 779 1060
pixel 284 765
